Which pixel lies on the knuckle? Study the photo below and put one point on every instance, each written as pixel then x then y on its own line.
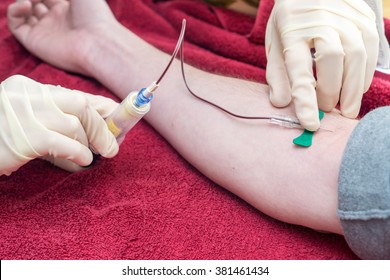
pixel 81 103
pixel 73 125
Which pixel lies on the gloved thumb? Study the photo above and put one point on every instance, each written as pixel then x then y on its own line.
pixel 65 164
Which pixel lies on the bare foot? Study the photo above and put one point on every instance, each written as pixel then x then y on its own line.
pixel 60 32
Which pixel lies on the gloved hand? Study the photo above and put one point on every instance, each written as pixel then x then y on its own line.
pixel 39 120
pixel 345 41
pixel 384 50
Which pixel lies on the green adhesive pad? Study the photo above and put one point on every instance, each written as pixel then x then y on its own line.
pixel 306 138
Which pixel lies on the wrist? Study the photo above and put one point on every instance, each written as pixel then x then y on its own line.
pixel 121 60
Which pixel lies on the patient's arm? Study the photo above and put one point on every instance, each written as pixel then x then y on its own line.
pixel 253 159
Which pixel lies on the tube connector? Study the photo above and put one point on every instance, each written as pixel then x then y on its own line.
pixel 141 100
pixel 145 95
pixel 285 121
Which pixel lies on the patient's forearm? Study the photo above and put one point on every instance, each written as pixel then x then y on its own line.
pixel 253 159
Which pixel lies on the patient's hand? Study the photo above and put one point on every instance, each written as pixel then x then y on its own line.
pixel 58 31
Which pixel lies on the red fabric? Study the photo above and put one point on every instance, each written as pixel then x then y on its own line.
pixel 151 205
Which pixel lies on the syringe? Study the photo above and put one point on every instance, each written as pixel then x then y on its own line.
pixel 130 111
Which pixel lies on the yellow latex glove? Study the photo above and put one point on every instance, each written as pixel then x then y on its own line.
pixel 345 41
pixel 55 123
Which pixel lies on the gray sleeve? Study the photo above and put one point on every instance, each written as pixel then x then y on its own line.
pixel 364 187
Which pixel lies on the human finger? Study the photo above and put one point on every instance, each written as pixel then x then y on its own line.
pixel 17 14
pixel 299 66
pixel 99 136
pixel 46 112
pixel 64 164
pixel 51 3
pixel 371 42
pixel 32 20
pixel 64 124
pixel 103 105
pixel 355 62
pixel 32 1
pixel 276 73
pixel 40 10
pixel 329 64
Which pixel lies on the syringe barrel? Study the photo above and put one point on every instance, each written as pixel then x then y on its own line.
pixel 126 116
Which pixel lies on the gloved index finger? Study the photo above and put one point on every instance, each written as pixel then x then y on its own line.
pixel 299 66
pixel 329 64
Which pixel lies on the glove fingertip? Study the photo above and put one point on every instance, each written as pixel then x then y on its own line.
pixel 311 126
pixel 112 150
pixel 68 165
pixel 107 148
pixel 310 122
pixel 279 101
pixel 351 114
pixel 279 92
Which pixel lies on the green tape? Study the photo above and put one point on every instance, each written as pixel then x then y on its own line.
pixel 306 138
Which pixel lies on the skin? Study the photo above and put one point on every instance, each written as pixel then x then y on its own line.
pixel 253 159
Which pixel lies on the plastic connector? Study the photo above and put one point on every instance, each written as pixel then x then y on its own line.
pixel 285 121
pixel 142 99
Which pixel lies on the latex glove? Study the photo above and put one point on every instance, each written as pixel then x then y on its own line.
pixel 345 39
pixel 384 51
pixel 39 120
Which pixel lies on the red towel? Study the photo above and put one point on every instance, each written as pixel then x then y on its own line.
pixel 152 205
